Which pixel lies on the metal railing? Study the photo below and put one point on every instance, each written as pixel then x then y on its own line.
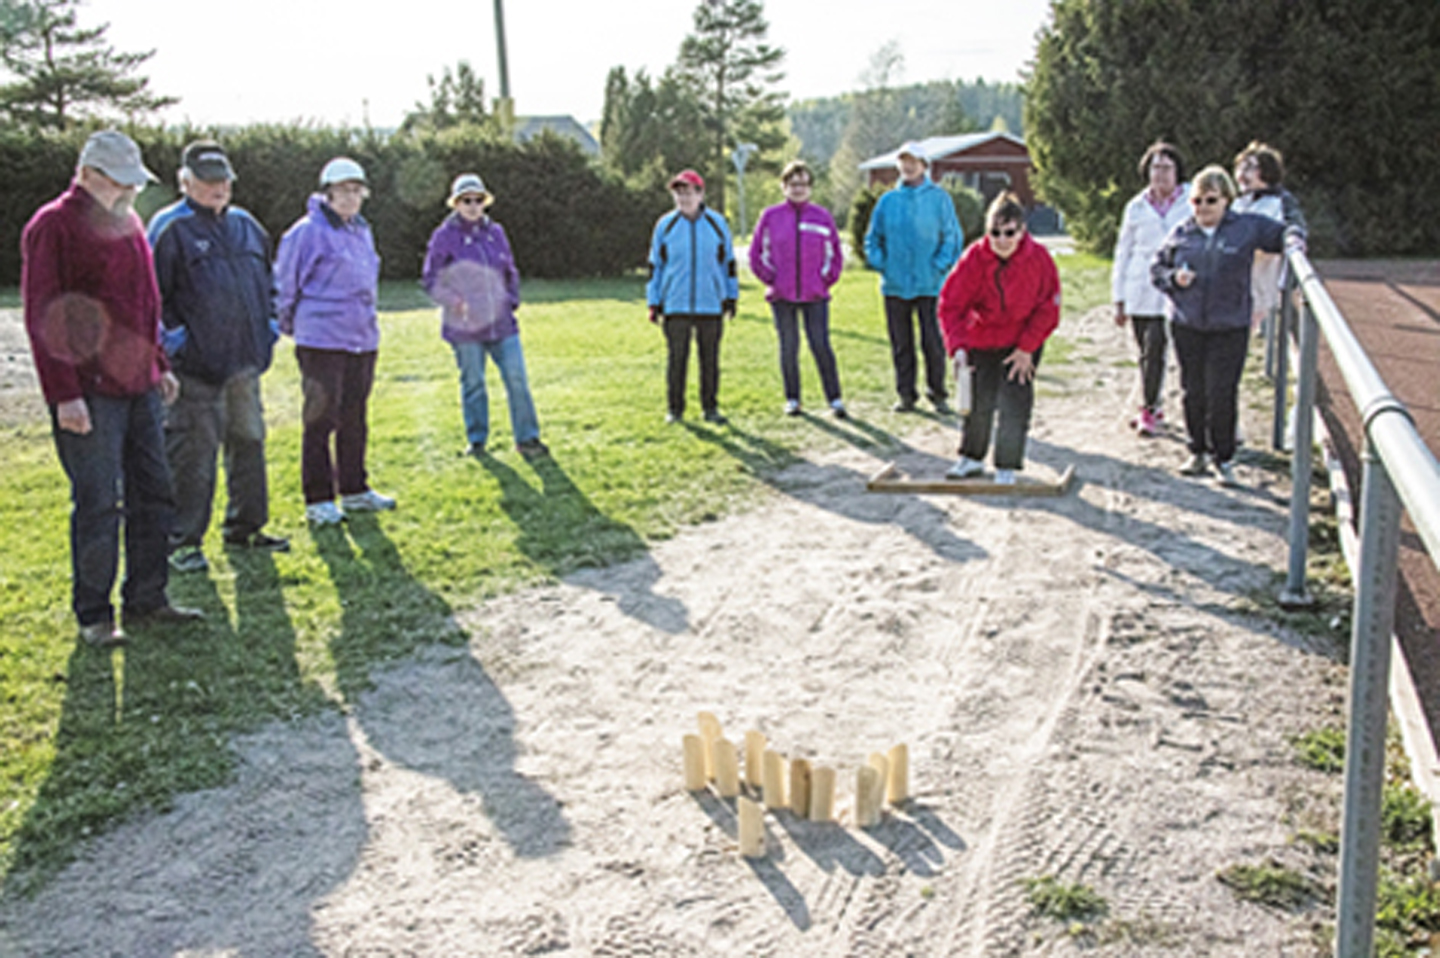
pixel 1398 469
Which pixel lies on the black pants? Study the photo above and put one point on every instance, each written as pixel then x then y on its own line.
pixel 1210 368
pixel 1150 337
pixel 994 393
pixel 706 330
pixel 817 331
pixel 337 396
pixel 902 346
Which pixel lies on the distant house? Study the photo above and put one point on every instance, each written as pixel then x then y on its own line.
pixel 988 162
pixel 529 127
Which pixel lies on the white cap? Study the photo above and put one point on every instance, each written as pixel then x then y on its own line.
pixel 342 169
pixel 913 149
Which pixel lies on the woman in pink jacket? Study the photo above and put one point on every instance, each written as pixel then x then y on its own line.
pixel 796 253
pixel 997 307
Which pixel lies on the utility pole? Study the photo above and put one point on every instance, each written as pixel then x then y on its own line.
pixel 504 105
pixel 739 156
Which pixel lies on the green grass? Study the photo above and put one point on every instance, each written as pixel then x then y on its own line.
pixel 1052 898
pixel 1269 884
pixel 88 738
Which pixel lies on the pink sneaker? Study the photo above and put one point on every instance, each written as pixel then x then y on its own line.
pixel 1147 425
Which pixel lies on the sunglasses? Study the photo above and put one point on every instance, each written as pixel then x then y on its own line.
pixel 1205 200
pixel 1005 233
pixel 472 200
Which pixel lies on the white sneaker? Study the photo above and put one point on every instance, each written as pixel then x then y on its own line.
pixel 792 407
pixel 1195 465
pixel 324 513
pixel 367 501
pixel 964 468
pixel 1227 473
pixel 1004 477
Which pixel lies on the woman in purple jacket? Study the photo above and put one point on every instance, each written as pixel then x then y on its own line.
pixel 470 272
pixel 796 252
pixel 327 272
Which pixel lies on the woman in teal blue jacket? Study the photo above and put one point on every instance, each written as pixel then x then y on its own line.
pixel 913 239
pixel 693 288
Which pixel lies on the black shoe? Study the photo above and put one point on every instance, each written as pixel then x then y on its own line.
pixel 102 635
pixel 674 417
pixel 475 450
pixel 532 449
pixel 713 416
pixel 166 614
pixel 904 405
pixel 941 406
pixel 259 540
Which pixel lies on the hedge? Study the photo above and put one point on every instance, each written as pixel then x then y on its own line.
pixel 565 217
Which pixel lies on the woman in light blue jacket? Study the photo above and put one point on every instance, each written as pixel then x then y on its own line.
pixel 327 273
pixel 693 288
pixel 1149 217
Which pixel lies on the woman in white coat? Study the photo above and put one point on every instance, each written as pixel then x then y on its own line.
pixel 1149 218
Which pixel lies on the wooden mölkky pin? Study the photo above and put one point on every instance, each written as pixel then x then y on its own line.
pixel 727 767
pixel 754 759
pixel 752 828
pixel 709 732
pixel 822 794
pixel 897 784
pixel 774 779
pixel 694 763
pixel 869 791
pixel 800 787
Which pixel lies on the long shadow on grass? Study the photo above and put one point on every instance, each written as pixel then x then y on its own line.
pixel 829 488
pixel 433 708
pixel 235 870
pixel 562 531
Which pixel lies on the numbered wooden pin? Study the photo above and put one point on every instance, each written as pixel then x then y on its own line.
pixel 869 790
pixel 694 763
pixel 800 787
pixel 897 785
pixel 754 759
pixel 709 732
pixel 752 828
pixel 727 767
pixel 774 779
pixel 822 794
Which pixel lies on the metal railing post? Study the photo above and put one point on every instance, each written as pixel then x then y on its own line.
pixel 1295 595
pixel 1368 709
pixel 1280 334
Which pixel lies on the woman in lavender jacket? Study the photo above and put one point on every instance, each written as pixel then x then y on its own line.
pixel 470 272
pixel 327 272
pixel 796 252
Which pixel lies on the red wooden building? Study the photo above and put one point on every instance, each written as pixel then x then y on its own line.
pixel 987 162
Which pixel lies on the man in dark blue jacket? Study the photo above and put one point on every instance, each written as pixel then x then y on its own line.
pixel 212 261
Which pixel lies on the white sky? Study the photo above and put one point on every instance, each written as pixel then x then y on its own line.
pixel 281 60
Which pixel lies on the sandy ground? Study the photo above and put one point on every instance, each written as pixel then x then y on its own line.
pixel 1082 688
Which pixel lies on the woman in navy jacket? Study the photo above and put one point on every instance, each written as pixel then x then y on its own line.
pixel 1203 267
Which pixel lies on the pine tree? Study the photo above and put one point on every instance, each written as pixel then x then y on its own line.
pixel 456 99
pixel 62 72
pixel 729 67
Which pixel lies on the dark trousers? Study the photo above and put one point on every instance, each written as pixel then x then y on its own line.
pixel 994 393
pixel 337 393
pixel 898 323
pixel 1150 337
pixel 817 333
pixel 205 417
pixel 118 473
pixel 706 330
pixel 1210 368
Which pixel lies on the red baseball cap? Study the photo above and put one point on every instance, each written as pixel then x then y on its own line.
pixel 689 177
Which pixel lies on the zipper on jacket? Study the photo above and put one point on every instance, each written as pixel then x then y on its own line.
pixel 798 239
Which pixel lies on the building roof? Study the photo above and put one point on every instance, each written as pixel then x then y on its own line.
pixel 528 127
pixel 940 147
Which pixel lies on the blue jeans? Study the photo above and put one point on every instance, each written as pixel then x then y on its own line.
pixel 817 332
pixel 118 472
pixel 509 358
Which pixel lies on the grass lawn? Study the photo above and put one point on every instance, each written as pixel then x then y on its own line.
pixel 88 737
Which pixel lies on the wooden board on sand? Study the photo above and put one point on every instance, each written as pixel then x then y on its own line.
pixel 888 479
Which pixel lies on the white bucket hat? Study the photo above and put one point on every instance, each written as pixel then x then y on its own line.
pixel 465 184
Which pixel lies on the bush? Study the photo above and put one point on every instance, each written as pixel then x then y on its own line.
pixel 565 218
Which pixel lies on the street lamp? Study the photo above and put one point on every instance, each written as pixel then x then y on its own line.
pixel 739 156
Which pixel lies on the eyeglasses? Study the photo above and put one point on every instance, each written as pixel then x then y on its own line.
pixel 1006 233
pixel 801 184
pixel 472 200
pixel 683 190
pixel 1210 200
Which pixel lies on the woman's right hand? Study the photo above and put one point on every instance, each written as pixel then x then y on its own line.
pixel 1184 276
pixel 1120 317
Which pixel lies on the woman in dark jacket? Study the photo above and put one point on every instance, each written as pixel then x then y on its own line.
pixel 1203 267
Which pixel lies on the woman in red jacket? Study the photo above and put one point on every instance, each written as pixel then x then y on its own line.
pixel 997 307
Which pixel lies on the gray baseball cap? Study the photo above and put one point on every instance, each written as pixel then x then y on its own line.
pixel 117 156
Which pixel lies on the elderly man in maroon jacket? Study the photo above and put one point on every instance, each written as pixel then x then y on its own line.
pixel 92 312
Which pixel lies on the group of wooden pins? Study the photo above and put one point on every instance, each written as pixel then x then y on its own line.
pixel 710 757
